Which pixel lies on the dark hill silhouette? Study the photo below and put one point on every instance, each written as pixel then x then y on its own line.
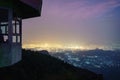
pixel 36 66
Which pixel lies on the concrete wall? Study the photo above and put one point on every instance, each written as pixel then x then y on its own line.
pixel 9 55
pixel 16 53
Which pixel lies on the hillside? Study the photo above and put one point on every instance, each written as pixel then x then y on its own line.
pixel 36 66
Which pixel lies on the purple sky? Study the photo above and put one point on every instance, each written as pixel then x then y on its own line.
pixel 80 22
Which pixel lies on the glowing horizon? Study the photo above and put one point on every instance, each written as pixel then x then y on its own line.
pixel 49 46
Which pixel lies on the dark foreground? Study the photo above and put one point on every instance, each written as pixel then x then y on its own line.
pixel 37 66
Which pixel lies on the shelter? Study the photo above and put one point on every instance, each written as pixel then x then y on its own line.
pixel 11 14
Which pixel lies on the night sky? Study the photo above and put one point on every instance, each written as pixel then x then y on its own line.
pixel 86 24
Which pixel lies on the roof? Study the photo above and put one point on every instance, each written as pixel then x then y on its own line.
pixel 23 8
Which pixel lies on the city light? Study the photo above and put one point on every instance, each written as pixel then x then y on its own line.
pixel 54 46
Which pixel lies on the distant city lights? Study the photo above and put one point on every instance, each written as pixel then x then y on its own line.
pixel 52 46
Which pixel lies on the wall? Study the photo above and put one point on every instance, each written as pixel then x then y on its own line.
pixel 9 55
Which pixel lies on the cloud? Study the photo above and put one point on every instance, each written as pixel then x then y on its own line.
pixel 81 9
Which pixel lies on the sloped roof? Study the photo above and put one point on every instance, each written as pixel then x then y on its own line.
pixel 23 8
